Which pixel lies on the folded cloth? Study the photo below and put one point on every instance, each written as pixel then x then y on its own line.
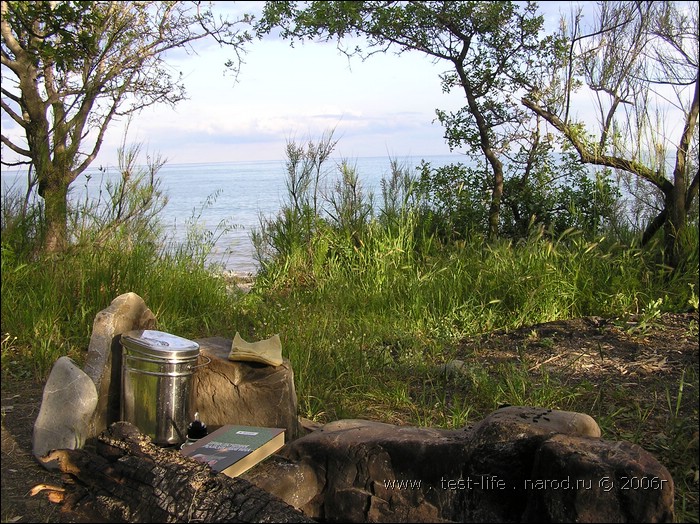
pixel 268 351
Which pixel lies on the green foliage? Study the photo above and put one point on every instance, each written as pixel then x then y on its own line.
pixel 550 194
pixel 365 320
pixel 117 247
pixel 558 194
pixel 290 234
pixel 55 301
pixel 21 221
pixel 68 30
pixel 71 67
pixel 489 46
pixel 447 284
pixel 127 205
pixel 454 200
pixel 383 306
pixel 496 51
pixel 349 207
pixel 399 193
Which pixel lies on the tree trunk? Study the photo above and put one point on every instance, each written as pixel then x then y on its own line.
pixel 677 200
pixel 489 153
pixel 496 194
pixel 130 479
pixel 55 196
pixel 654 226
pixel 675 241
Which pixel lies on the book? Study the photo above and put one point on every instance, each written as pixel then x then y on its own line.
pixel 233 450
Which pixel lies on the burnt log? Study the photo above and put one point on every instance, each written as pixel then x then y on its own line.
pixel 127 478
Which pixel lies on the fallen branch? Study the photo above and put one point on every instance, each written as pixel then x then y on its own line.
pixel 536 366
pixel 129 479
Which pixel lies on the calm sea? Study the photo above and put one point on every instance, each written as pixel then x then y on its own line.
pixel 228 199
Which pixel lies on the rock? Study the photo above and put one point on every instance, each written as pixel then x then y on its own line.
pixel 247 393
pixel 103 361
pixel 67 406
pixel 359 463
pixel 583 480
pixel 296 484
pixel 508 423
pixel 373 472
pixel 504 444
pixel 453 368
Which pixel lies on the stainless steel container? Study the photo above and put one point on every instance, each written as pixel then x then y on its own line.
pixel 157 391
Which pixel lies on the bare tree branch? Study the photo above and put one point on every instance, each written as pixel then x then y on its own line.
pixel 15 148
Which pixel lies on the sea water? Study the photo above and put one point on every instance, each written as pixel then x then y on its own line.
pixel 229 199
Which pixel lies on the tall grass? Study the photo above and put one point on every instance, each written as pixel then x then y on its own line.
pixel 368 303
pixel 370 320
pixel 381 293
pixel 391 308
pixel 117 246
pixel 371 291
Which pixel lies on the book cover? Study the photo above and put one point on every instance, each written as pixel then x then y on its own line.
pixel 233 450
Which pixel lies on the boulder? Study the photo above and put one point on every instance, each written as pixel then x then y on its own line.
pixel 508 423
pixel 103 361
pixel 520 464
pixel 296 483
pixel 240 392
pixel 56 427
pixel 357 467
pixel 576 479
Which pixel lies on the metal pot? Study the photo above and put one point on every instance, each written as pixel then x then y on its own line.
pixel 156 396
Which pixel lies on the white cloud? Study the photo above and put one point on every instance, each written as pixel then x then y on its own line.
pixel 384 104
pixel 297 92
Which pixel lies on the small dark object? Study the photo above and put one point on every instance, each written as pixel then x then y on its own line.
pixel 197 429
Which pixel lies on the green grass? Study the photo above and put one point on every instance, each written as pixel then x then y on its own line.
pixel 365 320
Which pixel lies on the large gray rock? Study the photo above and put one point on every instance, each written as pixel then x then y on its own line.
pixel 103 362
pixel 504 423
pixel 366 471
pixel 357 465
pixel 296 483
pixel 586 480
pixel 247 393
pixel 67 405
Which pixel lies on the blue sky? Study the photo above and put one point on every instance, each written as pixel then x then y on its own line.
pixel 384 106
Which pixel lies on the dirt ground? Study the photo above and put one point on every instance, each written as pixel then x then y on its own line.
pixel 638 365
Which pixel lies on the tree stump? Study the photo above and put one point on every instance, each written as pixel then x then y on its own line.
pixel 245 393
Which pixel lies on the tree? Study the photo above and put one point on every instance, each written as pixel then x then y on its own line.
pixel 488 45
pixel 70 68
pixel 639 58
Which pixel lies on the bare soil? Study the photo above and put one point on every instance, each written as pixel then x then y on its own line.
pixel 634 371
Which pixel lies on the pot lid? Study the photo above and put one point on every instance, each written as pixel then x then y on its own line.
pixel 160 344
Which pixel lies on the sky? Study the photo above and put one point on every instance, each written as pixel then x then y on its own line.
pixel 384 106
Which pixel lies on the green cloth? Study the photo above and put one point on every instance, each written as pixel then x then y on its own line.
pixel 267 351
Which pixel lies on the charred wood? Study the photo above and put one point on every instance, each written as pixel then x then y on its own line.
pixel 127 478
